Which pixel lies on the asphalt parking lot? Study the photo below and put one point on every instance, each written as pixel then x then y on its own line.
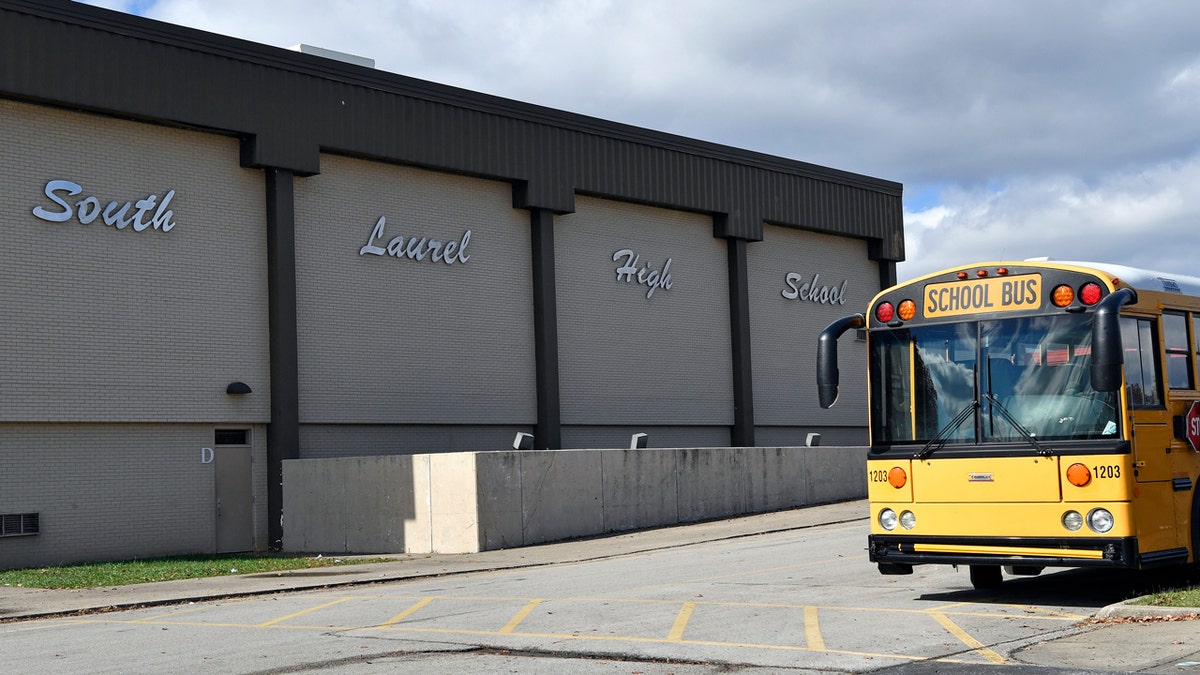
pixel 787 591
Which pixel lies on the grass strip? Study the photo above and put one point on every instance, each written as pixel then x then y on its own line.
pixel 1179 597
pixel 94 575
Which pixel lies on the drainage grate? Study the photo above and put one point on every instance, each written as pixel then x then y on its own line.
pixel 18 524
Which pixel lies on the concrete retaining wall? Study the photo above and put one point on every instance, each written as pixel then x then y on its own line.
pixel 464 502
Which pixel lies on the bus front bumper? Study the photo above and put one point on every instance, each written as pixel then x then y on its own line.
pixel 1024 551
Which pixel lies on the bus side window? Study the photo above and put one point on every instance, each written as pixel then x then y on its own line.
pixel 1179 351
pixel 1141 362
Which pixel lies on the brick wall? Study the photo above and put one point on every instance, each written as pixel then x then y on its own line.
pixel 116 345
pixel 110 324
pixel 113 491
pixel 628 359
pixel 397 341
pixel 784 333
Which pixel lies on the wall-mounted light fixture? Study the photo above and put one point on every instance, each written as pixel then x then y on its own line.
pixel 638 441
pixel 523 441
pixel 237 388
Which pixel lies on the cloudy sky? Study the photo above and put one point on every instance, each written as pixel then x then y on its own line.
pixel 1068 129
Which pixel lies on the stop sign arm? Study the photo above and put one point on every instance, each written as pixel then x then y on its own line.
pixel 1187 426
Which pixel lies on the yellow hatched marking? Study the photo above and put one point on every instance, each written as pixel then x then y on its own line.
pixel 406 613
pixel 302 612
pixel 681 622
pixel 520 616
pixel 812 630
pixel 707 643
pixel 966 639
pixel 560 636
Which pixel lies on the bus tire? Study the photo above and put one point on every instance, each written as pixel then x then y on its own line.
pixel 984 577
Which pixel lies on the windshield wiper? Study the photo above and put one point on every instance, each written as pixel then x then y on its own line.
pixel 1042 450
pixel 938 438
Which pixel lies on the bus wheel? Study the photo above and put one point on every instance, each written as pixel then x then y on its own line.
pixel 984 577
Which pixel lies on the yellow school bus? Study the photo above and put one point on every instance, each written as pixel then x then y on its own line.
pixel 1030 414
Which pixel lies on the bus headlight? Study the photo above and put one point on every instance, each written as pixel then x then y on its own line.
pixel 908 520
pixel 1072 520
pixel 1100 520
pixel 887 519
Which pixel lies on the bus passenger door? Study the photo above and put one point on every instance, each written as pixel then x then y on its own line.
pixel 1151 437
pixel 1154 494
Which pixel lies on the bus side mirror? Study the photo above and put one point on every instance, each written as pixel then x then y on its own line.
pixel 827 360
pixel 1108 354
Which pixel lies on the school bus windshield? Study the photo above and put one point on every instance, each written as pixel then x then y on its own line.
pixel 988 382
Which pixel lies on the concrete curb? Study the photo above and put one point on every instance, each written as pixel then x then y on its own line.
pixel 1127 610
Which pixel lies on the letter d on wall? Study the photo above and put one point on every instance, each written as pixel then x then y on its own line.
pixel 206 455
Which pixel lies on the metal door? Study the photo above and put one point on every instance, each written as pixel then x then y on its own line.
pixel 235 499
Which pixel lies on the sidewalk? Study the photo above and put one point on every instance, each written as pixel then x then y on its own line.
pixel 27 603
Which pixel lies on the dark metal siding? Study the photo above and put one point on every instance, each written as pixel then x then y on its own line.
pixel 288 107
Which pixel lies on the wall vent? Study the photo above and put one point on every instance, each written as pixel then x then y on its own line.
pixel 18 524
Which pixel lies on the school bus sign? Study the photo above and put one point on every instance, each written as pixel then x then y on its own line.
pixel 1191 425
pixel 997 294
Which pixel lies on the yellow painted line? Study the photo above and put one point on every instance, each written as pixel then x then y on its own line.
pixel 1027 612
pixel 520 616
pixel 952 605
pixel 406 613
pixel 704 643
pixel 745 573
pixel 966 639
pixel 1039 613
pixel 812 630
pixel 24 629
pixel 281 619
pixel 681 622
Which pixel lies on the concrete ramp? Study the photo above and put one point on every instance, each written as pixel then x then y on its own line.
pixel 465 502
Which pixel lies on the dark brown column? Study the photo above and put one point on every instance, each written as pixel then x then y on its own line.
pixel 742 432
pixel 547 434
pixel 283 431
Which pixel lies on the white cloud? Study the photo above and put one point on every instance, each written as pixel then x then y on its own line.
pixel 1144 219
